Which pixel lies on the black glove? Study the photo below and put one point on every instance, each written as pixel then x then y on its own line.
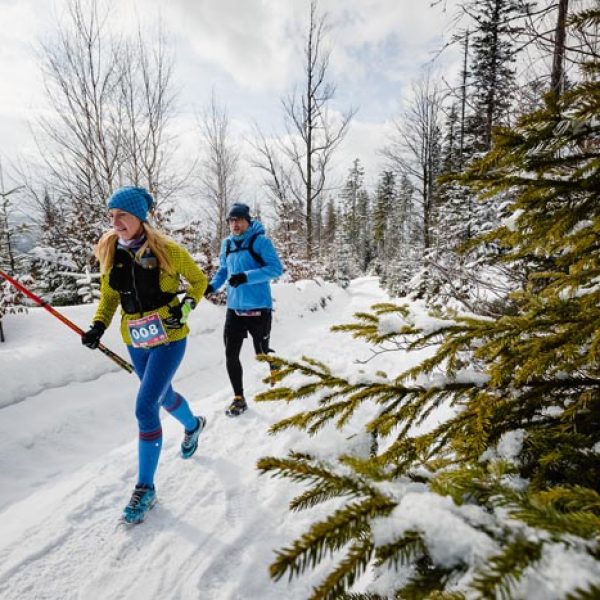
pixel 209 290
pixel 237 279
pixel 91 338
pixel 179 314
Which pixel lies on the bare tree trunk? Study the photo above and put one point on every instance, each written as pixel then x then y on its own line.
pixel 219 173
pixel 307 119
pixel 276 177
pixel 463 101
pixel 557 78
pixel 311 53
pixel 491 99
pixel 414 149
pixel 277 180
pixel 148 101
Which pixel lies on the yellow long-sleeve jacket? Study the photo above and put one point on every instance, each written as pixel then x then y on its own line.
pixel 184 267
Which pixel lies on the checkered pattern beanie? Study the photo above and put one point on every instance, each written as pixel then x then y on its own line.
pixel 134 200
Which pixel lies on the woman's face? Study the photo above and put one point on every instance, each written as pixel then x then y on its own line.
pixel 126 225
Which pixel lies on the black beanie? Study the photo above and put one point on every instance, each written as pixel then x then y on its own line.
pixel 239 210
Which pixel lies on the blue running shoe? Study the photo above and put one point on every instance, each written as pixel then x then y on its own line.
pixel 142 500
pixel 190 440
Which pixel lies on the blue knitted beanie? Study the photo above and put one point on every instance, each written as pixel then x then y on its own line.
pixel 240 211
pixel 134 200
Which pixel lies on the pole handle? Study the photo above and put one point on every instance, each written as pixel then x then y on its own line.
pixel 116 358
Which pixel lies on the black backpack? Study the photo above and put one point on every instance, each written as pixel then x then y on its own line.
pixel 250 247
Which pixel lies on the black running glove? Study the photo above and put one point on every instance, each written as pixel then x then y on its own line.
pixel 237 279
pixel 179 314
pixel 91 338
pixel 209 290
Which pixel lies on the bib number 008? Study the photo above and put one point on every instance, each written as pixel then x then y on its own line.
pixel 147 331
pixel 144 333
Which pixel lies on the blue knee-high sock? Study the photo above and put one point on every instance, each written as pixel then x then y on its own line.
pixel 148 455
pixel 180 409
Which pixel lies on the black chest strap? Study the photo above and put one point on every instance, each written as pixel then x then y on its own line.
pixel 250 248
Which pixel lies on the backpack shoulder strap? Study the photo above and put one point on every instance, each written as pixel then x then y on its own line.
pixel 255 255
pixel 250 247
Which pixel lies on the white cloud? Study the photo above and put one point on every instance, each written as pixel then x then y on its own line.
pixel 258 43
pixel 21 94
pixel 250 52
pixel 17 63
pixel 363 141
pixel 247 40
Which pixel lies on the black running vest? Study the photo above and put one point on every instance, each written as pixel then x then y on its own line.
pixel 137 282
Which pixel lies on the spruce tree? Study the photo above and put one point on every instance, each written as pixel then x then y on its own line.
pixel 384 200
pixel 456 271
pixel 513 466
pixel 329 228
pixel 492 69
pixel 403 246
pixel 344 266
pixel 71 227
pixel 356 214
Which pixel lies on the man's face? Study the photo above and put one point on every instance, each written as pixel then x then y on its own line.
pixel 238 225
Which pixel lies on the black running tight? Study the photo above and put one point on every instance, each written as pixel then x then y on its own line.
pixel 236 330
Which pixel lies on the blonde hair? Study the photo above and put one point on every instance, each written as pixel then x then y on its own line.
pixel 155 240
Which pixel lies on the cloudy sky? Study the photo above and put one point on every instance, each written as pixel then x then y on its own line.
pixel 249 52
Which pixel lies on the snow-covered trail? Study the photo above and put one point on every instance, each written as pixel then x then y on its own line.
pixel 55 392
pixel 217 523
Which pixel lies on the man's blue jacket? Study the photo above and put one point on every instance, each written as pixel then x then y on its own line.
pixel 256 293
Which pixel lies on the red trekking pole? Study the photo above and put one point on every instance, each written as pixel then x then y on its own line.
pixel 114 357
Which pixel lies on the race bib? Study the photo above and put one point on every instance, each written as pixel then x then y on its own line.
pixel 147 331
pixel 248 313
